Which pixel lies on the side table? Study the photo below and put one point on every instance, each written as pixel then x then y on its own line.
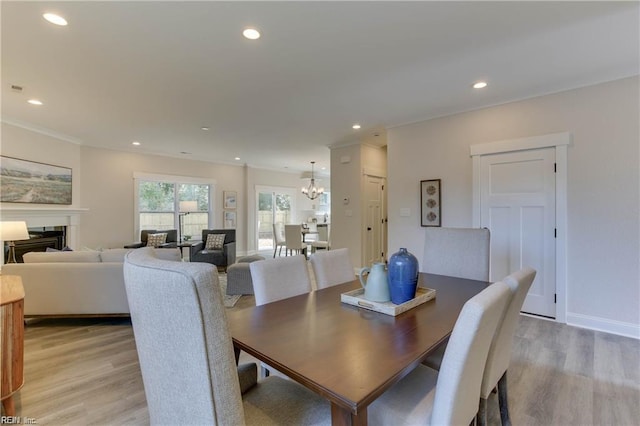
pixel 187 244
pixel 11 340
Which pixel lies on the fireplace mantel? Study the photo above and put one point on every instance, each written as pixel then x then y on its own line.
pixel 46 216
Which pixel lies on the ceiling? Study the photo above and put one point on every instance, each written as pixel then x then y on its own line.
pixel 157 72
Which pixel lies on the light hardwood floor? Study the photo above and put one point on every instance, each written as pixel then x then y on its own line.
pixel 85 372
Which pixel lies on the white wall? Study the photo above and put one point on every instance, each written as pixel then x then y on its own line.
pixel 603 289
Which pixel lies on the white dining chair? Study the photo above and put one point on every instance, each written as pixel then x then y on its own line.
pixel 332 267
pixel 293 237
pixel 449 397
pixel 279 240
pixel 457 252
pixel 322 242
pixel 188 366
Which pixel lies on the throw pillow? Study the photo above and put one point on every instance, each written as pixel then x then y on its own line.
pixel 214 242
pixel 156 240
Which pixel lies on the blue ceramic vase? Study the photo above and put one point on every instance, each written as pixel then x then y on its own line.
pixel 403 276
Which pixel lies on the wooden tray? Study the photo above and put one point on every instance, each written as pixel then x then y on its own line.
pixel 356 298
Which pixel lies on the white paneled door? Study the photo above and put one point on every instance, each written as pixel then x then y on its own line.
pixel 374 224
pixel 517 203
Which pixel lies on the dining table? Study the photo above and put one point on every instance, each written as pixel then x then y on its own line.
pixel 347 354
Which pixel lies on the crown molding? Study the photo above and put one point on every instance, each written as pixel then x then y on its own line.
pixel 42 130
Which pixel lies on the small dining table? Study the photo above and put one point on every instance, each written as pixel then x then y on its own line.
pixel 347 354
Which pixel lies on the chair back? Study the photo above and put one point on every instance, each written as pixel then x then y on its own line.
pixel 457 252
pixel 184 346
pixel 172 235
pixel 278 233
pixel 323 233
pixel 293 237
pixel 500 350
pixel 229 234
pixel 280 278
pixel 332 267
pixel 458 387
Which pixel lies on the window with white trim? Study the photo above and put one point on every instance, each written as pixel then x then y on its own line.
pixel 169 202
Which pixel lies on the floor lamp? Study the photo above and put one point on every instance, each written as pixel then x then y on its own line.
pixel 186 207
pixel 10 232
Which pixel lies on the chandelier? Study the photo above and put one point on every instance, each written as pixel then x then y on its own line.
pixel 312 191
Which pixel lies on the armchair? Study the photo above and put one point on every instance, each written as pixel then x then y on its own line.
pixel 219 257
pixel 171 241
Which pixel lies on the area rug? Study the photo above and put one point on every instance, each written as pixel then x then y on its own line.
pixel 229 301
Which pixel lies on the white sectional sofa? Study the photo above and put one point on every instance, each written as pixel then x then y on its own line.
pixel 75 283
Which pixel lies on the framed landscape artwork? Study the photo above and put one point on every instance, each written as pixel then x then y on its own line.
pixel 430 209
pixel 23 181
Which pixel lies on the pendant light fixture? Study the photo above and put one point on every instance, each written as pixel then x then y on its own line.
pixel 312 191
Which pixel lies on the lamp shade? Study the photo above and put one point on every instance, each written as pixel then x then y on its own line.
pixel 188 206
pixel 13 231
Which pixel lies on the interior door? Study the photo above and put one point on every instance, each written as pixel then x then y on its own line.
pixel 373 222
pixel 517 191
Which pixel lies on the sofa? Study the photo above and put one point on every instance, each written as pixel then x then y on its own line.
pixel 75 283
pixel 222 257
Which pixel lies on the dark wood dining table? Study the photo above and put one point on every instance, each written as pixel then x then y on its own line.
pixel 346 354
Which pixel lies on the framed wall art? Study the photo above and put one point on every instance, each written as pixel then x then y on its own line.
pixel 230 199
pixel 23 181
pixel 229 220
pixel 430 208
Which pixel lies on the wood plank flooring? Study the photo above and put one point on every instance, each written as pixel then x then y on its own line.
pixel 85 372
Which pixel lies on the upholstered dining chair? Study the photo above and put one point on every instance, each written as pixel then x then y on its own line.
pixel 277 279
pixel 332 267
pixel 495 372
pixel 278 238
pixel 322 242
pixel 280 278
pixel 186 354
pixel 457 252
pixel 449 397
pixel 293 237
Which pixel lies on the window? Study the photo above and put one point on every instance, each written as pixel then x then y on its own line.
pixel 169 202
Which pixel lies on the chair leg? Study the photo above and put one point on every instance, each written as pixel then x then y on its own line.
pixel 274 251
pixel 503 400
pixel 481 417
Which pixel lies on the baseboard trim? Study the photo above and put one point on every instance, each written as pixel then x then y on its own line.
pixel 601 324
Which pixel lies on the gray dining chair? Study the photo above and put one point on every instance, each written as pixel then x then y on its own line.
pixel 279 239
pixel 293 237
pixel 457 252
pixel 277 279
pixel 332 267
pixel 280 278
pixel 186 353
pixel 449 397
pixel 495 372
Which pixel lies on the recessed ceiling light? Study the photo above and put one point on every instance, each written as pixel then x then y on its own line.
pixel 204 128
pixel 237 158
pixel 324 168
pixel 136 143
pixel 55 19
pixel 34 102
pixel 251 33
pixel 480 85
pixel 356 126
